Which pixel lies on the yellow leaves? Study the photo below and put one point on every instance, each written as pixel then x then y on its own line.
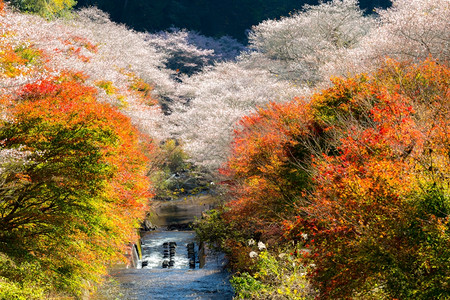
pixel 255 181
pixel 123 103
pixel 141 88
pixel 17 61
pixel 107 86
pixel 29 54
pixel 56 6
pixel 46 8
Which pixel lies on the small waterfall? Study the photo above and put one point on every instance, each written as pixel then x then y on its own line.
pixel 169 263
pixel 170 268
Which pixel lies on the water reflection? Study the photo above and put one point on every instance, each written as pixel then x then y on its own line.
pixel 181 211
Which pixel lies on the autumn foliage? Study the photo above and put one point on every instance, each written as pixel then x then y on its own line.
pixel 359 177
pixel 73 172
pixel 339 194
pixel 267 178
pixel 80 188
pixel 383 199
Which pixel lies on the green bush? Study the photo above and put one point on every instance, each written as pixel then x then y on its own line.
pixel 246 287
pixel 213 230
pixel 46 8
pixel 274 276
pixel 20 281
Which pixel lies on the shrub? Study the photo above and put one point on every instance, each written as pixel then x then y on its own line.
pixel 45 8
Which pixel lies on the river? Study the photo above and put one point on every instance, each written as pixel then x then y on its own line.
pixel 173 265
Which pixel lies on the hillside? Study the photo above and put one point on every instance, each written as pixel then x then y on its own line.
pixel 211 18
pixel 326 136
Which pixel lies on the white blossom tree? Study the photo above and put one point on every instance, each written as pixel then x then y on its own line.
pixel 286 58
pixel 93 44
pixel 187 52
pixel 410 30
pixel 202 83
pixel 413 29
pixel 215 100
pixel 295 47
pixel 112 56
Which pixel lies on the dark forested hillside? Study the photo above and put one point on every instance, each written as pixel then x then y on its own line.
pixel 210 17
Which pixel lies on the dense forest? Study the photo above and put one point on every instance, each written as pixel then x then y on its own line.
pixel 211 18
pixel 326 135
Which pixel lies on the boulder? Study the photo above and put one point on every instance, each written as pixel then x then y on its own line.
pixel 148 226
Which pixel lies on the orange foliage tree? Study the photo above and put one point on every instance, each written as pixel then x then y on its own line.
pixel 383 199
pixel 266 164
pixel 359 175
pixel 74 189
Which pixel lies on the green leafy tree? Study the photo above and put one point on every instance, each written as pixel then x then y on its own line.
pixel 46 8
pixel 72 188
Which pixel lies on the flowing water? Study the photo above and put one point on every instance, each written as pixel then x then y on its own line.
pixel 173 266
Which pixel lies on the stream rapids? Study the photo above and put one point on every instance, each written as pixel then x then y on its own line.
pixel 173 266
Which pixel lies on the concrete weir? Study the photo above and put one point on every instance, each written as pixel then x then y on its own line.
pixel 170 263
pixel 170 269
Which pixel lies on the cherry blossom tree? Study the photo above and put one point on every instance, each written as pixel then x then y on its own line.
pixel 187 52
pixel 413 29
pixel 286 58
pixel 408 31
pixel 296 47
pixel 215 100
